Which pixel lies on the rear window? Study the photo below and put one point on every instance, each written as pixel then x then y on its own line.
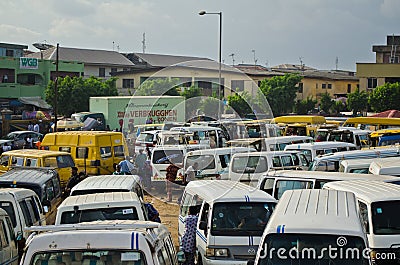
pixel 145 137
pixel 204 161
pixel 167 156
pixel 8 207
pixel 117 213
pixel 249 164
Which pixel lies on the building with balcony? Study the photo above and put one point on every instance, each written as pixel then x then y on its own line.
pixel 385 69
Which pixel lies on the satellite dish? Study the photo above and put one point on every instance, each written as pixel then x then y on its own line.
pixel 42 46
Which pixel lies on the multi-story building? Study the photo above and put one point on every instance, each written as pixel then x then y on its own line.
pixel 386 68
pixel 26 76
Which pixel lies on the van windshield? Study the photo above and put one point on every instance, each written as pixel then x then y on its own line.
pixel 312 249
pixel 203 161
pixel 90 215
pixel 167 156
pixel 385 217
pixel 88 256
pixel 240 219
pixel 249 164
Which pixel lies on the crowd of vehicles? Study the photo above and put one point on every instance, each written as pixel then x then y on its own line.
pixel 257 183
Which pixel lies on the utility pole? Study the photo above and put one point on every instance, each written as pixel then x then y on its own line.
pixel 56 91
pixel 254 57
pixel 144 42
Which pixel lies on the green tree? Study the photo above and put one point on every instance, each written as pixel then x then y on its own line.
pixel 326 102
pixel 306 105
pixel 357 101
pixel 74 93
pixel 192 92
pixel 239 102
pixel 158 87
pixel 280 92
pixel 209 106
pixel 385 97
pixel 193 97
pixel 338 106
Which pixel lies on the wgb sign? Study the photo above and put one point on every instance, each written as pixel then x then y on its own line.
pixel 28 63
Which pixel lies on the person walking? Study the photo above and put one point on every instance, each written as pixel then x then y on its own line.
pixel 172 171
pixel 30 126
pixel 191 172
pixel 118 170
pixel 73 180
pixel 140 160
pixel 36 127
pixel 189 237
pixel 126 166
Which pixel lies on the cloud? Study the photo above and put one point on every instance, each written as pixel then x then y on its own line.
pixel 390 8
pixel 17 33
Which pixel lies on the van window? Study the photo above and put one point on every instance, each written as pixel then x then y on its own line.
pixel 4 160
pixel 284 185
pixel 364 215
pixel 119 150
pixel 65 149
pixel 385 217
pixel 56 185
pixel 9 208
pixel 33 212
pixel 185 204
pixel 31 162
pixel 276 161
pixel 167 156
pixel 9 225
pixel 224 159
pixel 204 161
pixel 105 151
pixel 50 195
pixel 19 161
pixel 4 238
pixel 268 185
pixel 249 164
pixel 25 211
pixel 64 161
pixel 287 161
pixel 90 215
pixel 82 152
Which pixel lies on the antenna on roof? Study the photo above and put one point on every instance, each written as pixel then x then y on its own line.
pixel 113 45
pixel 233 58
pixel 337 62
pixel 144 42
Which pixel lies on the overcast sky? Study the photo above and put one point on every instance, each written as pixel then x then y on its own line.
pixel 280 31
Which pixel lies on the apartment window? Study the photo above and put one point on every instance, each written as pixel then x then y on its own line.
pixel 127 83
pixel 316 86
pixel 323 86
pixel 300 87
pixel 329 86
pixel 113 70
pixel 358 86
pixel 348 88
pixel 10 53
pixel 237 85
pixel 82 74
pixel 102 72
pixel 372 83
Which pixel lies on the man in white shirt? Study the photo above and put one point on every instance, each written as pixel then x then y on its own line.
pixel 36 127
pixel 191 172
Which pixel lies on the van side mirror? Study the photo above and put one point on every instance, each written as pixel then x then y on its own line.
pixel 203 225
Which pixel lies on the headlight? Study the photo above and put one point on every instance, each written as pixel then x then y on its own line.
pixel 217 252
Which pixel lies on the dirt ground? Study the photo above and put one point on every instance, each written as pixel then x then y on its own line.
pixel 169 212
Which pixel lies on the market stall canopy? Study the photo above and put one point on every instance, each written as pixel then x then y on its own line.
pixel 35 101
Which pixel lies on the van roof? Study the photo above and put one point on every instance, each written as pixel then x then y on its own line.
pixel 222 150
pixel 324 175
pixel 27 175
pixel 267 153
pixel 17 192
pixel 386 166
pixel 115 235
pixel 355 162
pixel 111 198
pixel 226 190
pixel 34 153
pixel 104 182
pixel 316 145
pixel 316 212
pixel 366 190
pixel 277 139
pixel 363 153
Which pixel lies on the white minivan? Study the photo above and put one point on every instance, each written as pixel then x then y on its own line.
pixel 8 247
pixel 249 167
pixel 312 150
pixel 355 165
pixel 123 242
pixel 270 144
pixel 379 205
pixel 385 166
pixel 314 227
pixel 212 163
pixel 232 217
pixel 101 206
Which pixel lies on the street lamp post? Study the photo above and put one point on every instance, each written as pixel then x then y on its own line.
pixel 202 13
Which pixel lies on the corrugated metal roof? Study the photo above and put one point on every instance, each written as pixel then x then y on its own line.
pixel 87 56
pixel 163 60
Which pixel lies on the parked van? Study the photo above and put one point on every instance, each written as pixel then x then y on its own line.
pixel 24 209
pixel 147 139
pixel 355 165
pixel 228 231
pixel 385 137
pixel 372 123
pixel 98 116
pixel 350 135
pixel 275 183
pixel 312 150
pixel 378 203
pixel 101 206
pixel 94 152
pixel 249 167
pixel 330 162
pixel 314 227
pixel 213 163
pixel 101 242
pixel 108 183
pixel 61 161
pixel 212 136
pixel 270 144
pixel 163 156
pixel 43 181
pixel 385 166
pixel 8 249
